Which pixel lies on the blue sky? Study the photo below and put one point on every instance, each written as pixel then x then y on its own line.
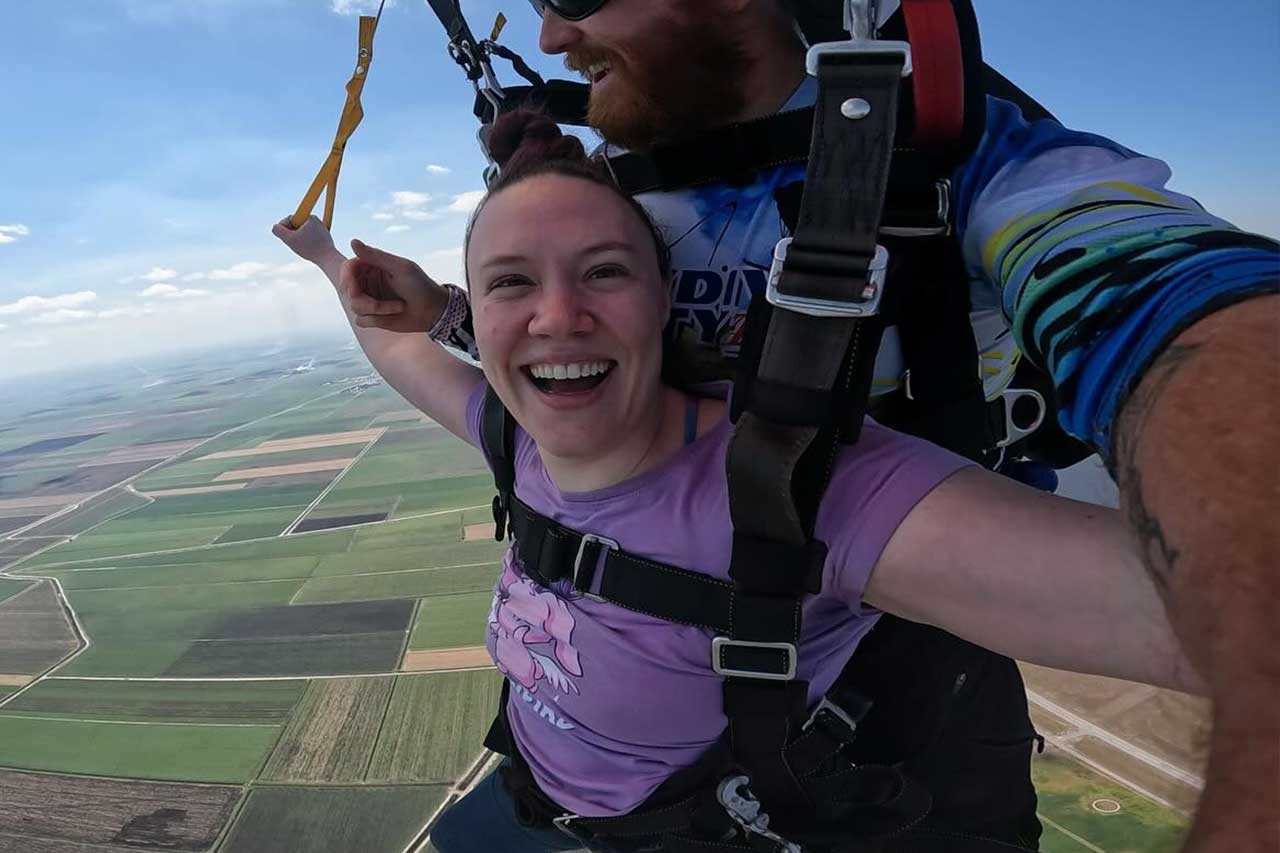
pixel 151 143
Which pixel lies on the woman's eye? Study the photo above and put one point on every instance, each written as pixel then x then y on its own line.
pixel 508 282
pixel 607 271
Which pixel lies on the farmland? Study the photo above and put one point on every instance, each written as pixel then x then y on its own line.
pixel 201 601
pixel 243 607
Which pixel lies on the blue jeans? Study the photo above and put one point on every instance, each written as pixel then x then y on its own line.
pixel 484 821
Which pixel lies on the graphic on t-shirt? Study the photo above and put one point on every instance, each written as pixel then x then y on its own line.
pixel 533 634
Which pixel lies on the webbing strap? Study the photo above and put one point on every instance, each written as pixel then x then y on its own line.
pixel 352 113
pixel 777 471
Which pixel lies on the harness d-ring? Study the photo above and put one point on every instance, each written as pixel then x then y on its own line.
pixel 352 113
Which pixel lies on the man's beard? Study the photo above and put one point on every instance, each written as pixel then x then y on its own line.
pixel 685 84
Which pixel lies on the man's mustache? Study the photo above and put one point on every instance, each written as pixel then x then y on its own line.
pixel 580 60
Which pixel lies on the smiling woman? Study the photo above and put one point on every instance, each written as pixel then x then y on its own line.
pixel 616 664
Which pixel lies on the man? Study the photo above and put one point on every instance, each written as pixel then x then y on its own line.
pixel 1156 321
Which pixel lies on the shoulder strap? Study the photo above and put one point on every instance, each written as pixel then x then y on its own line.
pixel 497 434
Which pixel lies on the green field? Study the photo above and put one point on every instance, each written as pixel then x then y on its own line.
pixel 433 725
pixel 451 621
pixel 180 752
pixel 268 702
pixel 114 503
pixel 1067 791
pixel 282 819
pixel 12 586
pixel 333 733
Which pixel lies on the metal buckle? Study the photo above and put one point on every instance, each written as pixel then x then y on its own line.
pixel 868 47
pixel 718 643
pixel 840 714
pixel 867 306
pixel 737 799
pixel 606 544
pixel 943 217
pixel 1012 432
pixel 562 823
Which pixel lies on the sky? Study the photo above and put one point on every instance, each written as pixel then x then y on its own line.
pixel 148 145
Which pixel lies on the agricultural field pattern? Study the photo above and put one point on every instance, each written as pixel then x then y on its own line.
pixel 243 602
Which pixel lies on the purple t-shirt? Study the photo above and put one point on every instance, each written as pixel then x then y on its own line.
pixel 606 703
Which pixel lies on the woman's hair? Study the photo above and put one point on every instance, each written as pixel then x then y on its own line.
pixel 525 144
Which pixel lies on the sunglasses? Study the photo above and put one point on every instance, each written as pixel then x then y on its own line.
pixel 570 10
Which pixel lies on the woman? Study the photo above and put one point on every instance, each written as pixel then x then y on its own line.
pixel 568 281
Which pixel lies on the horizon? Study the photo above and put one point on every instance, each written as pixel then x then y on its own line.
pixel 136 214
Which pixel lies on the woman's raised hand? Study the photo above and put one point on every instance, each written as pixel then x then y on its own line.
pixel 311 241
pixel 386 291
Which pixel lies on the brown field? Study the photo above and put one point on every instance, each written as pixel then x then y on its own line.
pixel 478 532
pixel 439 660
pixel 50 812
pixel 1171 725
pixel 403 415
pixel 142 452
pixel 306 442
pixel 14 680
pixel 34 632
pixel 44 501
pixel 333 732
pixel 194 490
pixel 285 470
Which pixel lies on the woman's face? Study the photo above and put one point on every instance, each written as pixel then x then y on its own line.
pixel 569 306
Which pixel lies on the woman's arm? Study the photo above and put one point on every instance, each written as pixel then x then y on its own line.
pixel 1036 577
pixel 421 370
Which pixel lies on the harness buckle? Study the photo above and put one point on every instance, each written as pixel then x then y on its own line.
pixel 867 305
pixel 562 823
pixel 744 808
pixel 826 706
pixel 1013 431
pixel 865 47
pixel 719 644
pixel 606 544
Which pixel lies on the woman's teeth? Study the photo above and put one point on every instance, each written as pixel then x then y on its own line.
pixel 578 370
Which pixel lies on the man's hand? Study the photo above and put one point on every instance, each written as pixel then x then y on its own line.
pixel 386 291
pixel 311 242
pixel 1197 462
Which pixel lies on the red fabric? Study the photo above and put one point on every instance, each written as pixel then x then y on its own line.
pixel 938 79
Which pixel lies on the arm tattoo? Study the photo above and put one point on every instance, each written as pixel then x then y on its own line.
pixel 1159 553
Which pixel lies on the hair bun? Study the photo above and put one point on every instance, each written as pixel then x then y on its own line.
pixel 526 137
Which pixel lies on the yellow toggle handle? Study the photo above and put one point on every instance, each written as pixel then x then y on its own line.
pixel 352 113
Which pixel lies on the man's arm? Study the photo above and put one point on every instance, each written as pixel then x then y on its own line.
pixel 1196 450
pixel 1136 300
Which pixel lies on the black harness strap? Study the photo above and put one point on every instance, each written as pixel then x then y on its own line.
pixel 827 359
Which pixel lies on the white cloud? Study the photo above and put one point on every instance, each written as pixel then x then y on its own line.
pixel 242 271
pixel 465 202
pixel 397 229
pixel 444 265
pixel 129 311
pixel 406 198
pixel 358 7
pixel 10 233
pixel 29 304
pixel 4 325
pixel 436 169
pixel 384 217
pixel 159 274
pixel 193 276
pixel 419 215
pixel 168 291
pixel 62 315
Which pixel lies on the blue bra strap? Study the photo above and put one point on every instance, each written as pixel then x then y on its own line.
pixel 691 420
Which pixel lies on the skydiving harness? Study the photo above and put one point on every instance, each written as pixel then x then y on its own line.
pixel 781 780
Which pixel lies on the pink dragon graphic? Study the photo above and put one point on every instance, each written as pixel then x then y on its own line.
pixel 524 617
